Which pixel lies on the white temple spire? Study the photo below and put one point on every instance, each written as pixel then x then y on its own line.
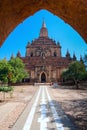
pixel 44 24
pixel 43 30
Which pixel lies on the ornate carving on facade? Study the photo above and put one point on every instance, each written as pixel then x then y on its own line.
pixel 43 58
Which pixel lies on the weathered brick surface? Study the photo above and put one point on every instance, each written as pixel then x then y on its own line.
pixel 12 12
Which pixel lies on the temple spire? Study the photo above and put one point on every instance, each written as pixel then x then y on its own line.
pixel 43 30
pixel 74 56
pixel 68 55
pixel 18 54
pixel 43 24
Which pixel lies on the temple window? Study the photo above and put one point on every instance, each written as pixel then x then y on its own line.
pixel 55 54
pixel 31 54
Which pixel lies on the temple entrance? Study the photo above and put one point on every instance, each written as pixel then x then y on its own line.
pixel 43 78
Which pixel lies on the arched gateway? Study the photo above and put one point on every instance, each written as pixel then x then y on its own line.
pixel 73 13
pixel 43 78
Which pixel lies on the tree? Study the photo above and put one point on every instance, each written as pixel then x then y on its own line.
pixel 5 69
pixel 85 60
pixel 6 89
pixel 76 72
pixel 12 71
pixel 18 70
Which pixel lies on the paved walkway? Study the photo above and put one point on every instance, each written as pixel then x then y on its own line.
pixel 42 113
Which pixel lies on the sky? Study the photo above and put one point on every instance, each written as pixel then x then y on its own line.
pixel 29 30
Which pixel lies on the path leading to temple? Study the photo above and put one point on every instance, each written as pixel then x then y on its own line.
pixel 42 113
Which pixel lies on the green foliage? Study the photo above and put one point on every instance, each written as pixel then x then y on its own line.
pixel 6 89
pixel 76 71
pixel 12 71
pixel 18 70
pixel 5 69
pixel 85 59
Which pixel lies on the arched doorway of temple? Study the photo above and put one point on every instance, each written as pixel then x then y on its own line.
pixel 43 78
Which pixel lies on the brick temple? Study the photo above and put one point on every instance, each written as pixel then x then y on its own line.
pixel 43 60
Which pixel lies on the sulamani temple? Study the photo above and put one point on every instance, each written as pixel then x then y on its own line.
pixel 43 60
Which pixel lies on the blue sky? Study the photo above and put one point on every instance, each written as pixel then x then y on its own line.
pixel 29 30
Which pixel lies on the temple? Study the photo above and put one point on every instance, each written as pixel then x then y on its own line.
pixel 43 60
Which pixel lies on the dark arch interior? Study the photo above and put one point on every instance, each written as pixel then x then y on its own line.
pixel 43 78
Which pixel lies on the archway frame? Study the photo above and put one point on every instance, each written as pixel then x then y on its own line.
pixel 14 12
